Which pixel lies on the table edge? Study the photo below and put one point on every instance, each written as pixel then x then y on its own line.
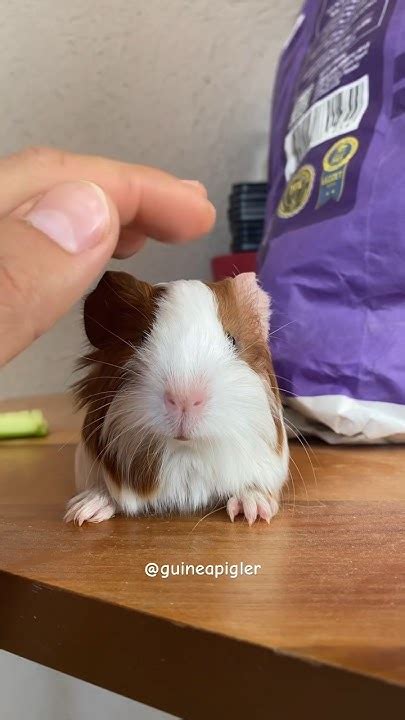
pixel 70 632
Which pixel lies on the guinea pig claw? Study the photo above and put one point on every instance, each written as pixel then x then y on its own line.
pixel 250 510
pixel 89 506
pixel 267 510
pixel 253 508
pixel 233 507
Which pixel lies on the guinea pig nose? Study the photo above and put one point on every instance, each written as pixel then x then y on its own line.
pixel 173 402
pixel 192 400
pixel 195 399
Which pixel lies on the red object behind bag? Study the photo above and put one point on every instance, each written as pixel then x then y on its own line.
pixel 225 266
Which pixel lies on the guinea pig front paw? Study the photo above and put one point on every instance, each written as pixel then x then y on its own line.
pixel 89 506
pixel 253 505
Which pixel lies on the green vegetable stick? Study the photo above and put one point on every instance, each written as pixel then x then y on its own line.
pixel 25 423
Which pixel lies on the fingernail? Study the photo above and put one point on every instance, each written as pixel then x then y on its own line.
pixel 75 215
pixel 197 185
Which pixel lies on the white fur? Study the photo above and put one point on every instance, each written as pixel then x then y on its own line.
pixel 232 450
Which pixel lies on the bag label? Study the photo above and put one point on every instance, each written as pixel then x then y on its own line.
pixel 334 165
pixel 328 98
pixel 339 112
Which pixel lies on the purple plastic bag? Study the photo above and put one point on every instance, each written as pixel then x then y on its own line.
pixel 333 255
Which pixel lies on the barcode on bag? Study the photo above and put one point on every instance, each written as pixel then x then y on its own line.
pixel 338 113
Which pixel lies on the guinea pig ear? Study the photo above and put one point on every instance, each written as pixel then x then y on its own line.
pixel 247 288
pixel 118 310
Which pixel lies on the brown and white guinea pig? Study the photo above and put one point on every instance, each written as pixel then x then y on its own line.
pixel 183 410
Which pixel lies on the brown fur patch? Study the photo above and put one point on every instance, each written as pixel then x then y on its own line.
pixel 240 318
pixel 117 314
pixel 143 470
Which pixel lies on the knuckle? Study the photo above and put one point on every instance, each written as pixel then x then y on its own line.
pixel 43 157
pixel 36 154
pixel 16 290
pixel 17 302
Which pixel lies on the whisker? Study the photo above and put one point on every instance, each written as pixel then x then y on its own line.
pixel 104 362
pixel 255 342
pixel 99 427
pixel 113 333
pixel 307 454
pixel 223 507
pixel 283 378
pixel 113 416
pixel 301 477
pixel 310 449
pixel 101 454
pixel 282 327
pixel 298 433
pixel 133 307
pixel 90 396
pixel 290 475
pixel 105 393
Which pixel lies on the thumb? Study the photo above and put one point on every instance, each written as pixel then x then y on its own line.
pixel 48 259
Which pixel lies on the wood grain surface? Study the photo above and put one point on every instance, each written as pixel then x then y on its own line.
pixel 321 626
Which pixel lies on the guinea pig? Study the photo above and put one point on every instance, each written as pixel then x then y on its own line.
pixel 183 409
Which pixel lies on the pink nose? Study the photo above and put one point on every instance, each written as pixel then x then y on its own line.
pixel 190 402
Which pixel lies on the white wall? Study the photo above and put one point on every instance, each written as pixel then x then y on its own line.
pixel 184 85
pixel 32 692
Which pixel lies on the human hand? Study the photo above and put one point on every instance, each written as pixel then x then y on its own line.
pixel 63 216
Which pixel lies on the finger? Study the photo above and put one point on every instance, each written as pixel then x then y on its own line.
pixel 130 240
pixel 160 205
pixel 197 187
pixel 129 243
pixel 49 258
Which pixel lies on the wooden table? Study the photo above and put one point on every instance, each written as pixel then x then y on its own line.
pixel 319 632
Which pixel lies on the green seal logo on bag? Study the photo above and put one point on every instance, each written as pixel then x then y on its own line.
pixel 297 192
pixel 335 164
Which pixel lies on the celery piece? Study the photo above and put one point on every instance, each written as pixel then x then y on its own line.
pixel 24 423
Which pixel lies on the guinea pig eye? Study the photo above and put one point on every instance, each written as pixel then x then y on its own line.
pixel 231 339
